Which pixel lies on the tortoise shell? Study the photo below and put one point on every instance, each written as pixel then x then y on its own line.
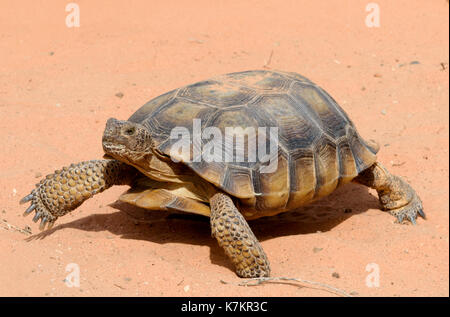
pixel 318 145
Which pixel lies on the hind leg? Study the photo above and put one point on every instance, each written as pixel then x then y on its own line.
pixel 395 195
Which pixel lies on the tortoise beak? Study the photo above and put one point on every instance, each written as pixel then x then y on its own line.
pixel 112 129
pixel 113 132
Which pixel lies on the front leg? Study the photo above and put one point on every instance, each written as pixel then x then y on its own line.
pixel 66 189
pixel 234 235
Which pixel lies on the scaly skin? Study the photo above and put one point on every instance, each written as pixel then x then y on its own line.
pixel 66 189
pixel 234 235
pixel 395 195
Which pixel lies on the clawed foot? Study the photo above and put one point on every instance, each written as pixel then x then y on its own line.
pixel 401 200
pixel 409 212
pixel 42 213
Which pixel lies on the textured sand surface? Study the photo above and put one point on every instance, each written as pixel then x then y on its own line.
pixel 59 85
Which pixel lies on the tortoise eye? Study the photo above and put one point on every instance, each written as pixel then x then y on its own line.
pixel 129 131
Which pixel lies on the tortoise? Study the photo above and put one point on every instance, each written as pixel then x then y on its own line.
pixel 171 154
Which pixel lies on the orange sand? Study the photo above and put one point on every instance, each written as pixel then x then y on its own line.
pixel 58 87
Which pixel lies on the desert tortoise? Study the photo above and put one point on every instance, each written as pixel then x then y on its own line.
pixel 180 151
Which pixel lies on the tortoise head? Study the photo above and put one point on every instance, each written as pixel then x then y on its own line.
pixel 127 141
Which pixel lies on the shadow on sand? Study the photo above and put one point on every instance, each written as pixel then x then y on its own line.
pixel 130 222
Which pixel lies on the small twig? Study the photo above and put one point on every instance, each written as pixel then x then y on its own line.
pixel 8 226
pixel 261 280
pixel 267 63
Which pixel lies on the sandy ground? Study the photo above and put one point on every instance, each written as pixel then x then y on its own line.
pixel 59 85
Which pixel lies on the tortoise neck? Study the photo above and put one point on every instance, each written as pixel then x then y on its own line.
pixel 160 167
